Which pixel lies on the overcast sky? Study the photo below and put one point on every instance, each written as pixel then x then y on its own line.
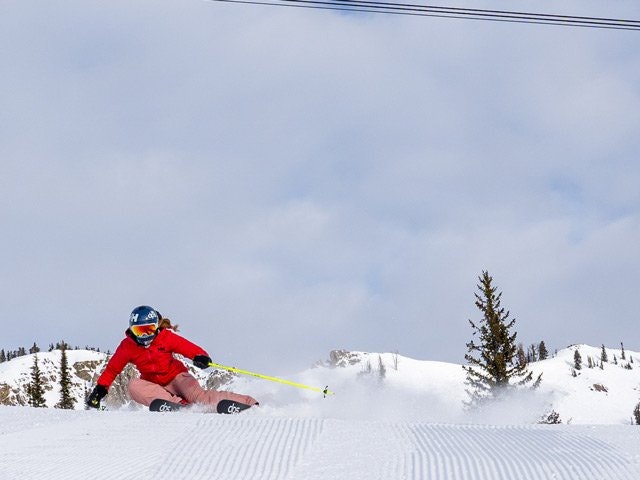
pixel 282 182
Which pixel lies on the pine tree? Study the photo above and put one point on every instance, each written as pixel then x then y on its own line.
pixel 34 348
pixel 543 353
pixel 622 354
pixel 603 355
pixel 3 356
pixel 636 414
pixel 577 360
pixel 522 358
pixel 66 399
pixel 35 389
pixel 492 363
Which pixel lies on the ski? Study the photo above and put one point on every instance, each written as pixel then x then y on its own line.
pixel 160 405
pixel 224 406
pixel 231 407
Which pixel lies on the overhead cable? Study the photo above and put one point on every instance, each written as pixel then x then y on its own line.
pixel 450 12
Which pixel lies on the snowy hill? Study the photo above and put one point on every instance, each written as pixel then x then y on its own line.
pixel 16 374
pixel 389 386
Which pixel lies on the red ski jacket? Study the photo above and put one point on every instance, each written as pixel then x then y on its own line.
pixel 155 362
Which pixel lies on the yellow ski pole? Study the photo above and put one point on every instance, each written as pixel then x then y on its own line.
pixel 325 391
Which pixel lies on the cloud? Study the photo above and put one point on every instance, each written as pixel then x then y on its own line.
pixel 282 182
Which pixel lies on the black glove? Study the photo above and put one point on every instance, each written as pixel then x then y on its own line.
pixel 201 361
pixel 94 399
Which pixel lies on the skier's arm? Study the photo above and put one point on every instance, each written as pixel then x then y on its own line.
pixel 190 350
pixel 115 365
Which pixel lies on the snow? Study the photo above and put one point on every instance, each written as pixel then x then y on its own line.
pixel 54 444
pixel 408 425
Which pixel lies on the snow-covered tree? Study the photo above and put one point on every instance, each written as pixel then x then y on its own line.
pixel 382 370
pixel 35 388
pixel 66 399
pixel 603 355
pixel 543 353
pixel 577 360
pixel 551 418
pixel 522 358
pixel 492 362
pixel 636 414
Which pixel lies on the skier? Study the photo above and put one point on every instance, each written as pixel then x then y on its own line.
pixel 149 344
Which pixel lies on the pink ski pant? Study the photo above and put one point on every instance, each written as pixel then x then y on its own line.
pixel 183 386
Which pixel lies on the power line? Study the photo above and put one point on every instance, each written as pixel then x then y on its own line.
pixel 450 12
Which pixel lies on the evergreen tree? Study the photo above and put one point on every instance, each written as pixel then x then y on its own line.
pixel 492 363
pixel 34 348
pixel 522 358
pixel 622 354
pixel 551 418
pixel 636 414
pixel 543 353
pixel 66 400
pixel 3 356
pixel 577 360
pixel 35 389
pixel 382 370
pixel 603 355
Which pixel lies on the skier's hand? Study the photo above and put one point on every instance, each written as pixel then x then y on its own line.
pixel 201 361
pixel 94 399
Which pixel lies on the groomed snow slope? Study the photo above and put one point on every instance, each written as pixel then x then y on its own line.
pixel 64 445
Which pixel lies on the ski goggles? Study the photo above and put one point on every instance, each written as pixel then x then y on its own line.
pixel 144 330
